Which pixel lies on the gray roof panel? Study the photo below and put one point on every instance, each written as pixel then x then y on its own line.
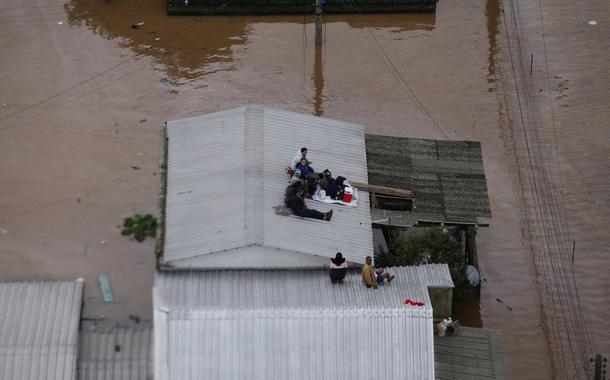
pixel 225 174
pixel 247 289
pixel 39 329
pixel 446 177
pixel 120 353
pixel 293 325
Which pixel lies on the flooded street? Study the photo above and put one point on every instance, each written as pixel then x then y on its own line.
pixel 84 95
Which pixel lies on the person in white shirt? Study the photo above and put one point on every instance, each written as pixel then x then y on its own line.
pixel 300 154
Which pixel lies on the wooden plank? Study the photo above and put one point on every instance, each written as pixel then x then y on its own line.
pixel 404 218
pixel 472 354
pixel 401 193
pixel 449 167
pixel 466 372
pixel 393 218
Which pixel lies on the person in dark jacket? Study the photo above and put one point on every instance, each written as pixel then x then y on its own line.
pixel 305 169
pixel 297 204
pixel 337 268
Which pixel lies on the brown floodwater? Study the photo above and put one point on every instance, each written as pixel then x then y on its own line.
pixel 84 95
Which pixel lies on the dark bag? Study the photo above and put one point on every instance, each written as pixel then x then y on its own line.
pixel 338 188
pixel 337 274
pixel 332 189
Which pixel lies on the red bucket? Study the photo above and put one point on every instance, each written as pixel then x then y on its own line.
pixel 348 195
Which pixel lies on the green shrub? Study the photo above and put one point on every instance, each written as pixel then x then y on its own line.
pixel 431 246
pixel 140 226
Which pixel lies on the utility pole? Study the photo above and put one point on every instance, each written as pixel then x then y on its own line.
pixel 319 21
pixel 600 367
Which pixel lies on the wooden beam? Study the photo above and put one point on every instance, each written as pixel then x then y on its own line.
pixel 400 193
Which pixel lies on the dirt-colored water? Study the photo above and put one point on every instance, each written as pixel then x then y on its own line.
pixel 84 94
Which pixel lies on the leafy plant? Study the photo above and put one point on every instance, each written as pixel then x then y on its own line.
pixel 140 226
pixel 428 246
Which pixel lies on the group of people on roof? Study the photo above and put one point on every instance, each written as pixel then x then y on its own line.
pixel 303 184
pixel 371 277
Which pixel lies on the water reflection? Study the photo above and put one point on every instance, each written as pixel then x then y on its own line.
pixel 492 12
pixel 187 48
pixel 318 81
pixel 468 312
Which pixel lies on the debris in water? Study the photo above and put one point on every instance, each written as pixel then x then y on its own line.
pixel 117 348
pixel 78 199
pixel 60 22
pixel 157 38
pixel 94 319
pixel 502 302
pixel 103 242
pixel 164 81
pixel 198 18
pixel 134 318
pixel 592 22
pixel 105 288
pixel 138 25
pixel 142 120
pixel 136 167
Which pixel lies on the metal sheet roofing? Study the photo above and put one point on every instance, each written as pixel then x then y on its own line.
pixel 116 354
pixel 293 324
pixel 472 354
pixel 446 177
pixel 225 174
pixel 294 288
pixel 39 329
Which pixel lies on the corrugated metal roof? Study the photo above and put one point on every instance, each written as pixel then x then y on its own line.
pixel 225 174
pixel 294 325
pixel 116 354
pixel 446 177
pixel 472 354
pixel 39 329
pixel 298 344
pixel 295 288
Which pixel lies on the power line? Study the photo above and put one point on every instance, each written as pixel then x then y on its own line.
pixel 546 187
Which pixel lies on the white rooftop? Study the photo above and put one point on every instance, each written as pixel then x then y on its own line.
pixel 225 175
pixel 39 329
pixel 294 324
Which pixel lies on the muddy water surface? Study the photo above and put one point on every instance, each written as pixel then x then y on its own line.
pixel 86 94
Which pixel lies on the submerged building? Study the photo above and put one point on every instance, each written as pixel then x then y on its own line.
pixel 39 324
pixel 224 177
pixel 243 291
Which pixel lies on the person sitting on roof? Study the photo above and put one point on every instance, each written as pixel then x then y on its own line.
pixel 368 274
pixel 304 167
pixel 382 275
pixel 297 204
pixel 337 268
pixel 302 153
pixel 373 277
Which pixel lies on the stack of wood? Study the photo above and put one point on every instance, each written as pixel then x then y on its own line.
pixel 381 194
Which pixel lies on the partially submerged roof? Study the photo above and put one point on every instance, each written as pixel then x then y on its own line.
pixel 226 173
pixel 472 354
pixel 446 177
pixel 39 329
pixel 119 353
pixel 294 324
